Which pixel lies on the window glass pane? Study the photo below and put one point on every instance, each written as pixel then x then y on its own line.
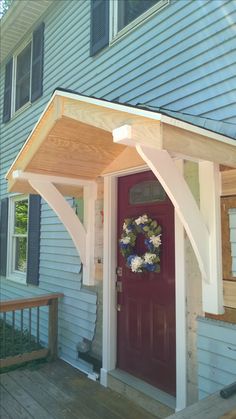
pixel 128 10
pixel 148 191
pixel 21 217
pixel 20 253
pixel 23 77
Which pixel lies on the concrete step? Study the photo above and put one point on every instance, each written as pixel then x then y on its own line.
pixel 156 402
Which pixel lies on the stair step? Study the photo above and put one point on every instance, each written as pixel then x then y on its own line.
pixel 154 401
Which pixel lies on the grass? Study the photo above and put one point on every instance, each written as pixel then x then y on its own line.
pixel 16 343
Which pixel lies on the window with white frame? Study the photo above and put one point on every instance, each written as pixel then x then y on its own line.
pixel 127 14
pixel 129 10
pixel 18 236
pixel 112 19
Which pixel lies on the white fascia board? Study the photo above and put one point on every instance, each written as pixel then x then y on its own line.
pixel 197 130
pixel 60 180
pixel 146 114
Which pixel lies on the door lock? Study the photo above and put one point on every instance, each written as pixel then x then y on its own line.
pixel 119 286
pixel 118 307
pixel 119 271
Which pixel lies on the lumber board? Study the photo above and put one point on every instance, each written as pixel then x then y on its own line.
pixel 212 407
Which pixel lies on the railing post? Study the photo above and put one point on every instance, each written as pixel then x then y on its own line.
pixel 53 328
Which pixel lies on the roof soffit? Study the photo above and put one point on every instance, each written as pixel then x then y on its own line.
pixel 19 19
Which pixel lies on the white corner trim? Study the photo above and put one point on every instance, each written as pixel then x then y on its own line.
pixel 103 377
pixel 185 205
pixel 90 196
pixel 212 292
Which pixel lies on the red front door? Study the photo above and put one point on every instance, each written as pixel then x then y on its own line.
pixel 146 320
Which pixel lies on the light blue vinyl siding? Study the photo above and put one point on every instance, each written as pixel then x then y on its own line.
pixel 183 59
pixel 60 271
pixel 216 355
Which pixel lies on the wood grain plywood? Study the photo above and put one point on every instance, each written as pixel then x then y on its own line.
pixel 230 294
pixel 226 204
pixel 76 150
pixel 129 158
pixel 197 146
pixel 228 182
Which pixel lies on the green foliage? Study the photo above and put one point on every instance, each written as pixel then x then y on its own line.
pixel 5 4
pixel 13 342
pixel 21 217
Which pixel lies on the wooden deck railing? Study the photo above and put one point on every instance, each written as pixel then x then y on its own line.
pixel 19 343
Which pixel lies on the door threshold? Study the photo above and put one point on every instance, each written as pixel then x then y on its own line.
pixel 152 399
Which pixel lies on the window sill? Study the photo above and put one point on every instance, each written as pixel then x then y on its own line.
pixel 18 278
pixel 20 110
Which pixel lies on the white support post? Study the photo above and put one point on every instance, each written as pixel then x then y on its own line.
pixel 109 278
pixel 90 195
pixel 185 205
pixel 83 237
pixel 212 292
pixel 180 310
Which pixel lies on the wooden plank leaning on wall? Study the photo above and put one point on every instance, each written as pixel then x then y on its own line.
pixel 228 200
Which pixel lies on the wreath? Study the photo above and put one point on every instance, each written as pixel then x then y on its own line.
pixel 150 261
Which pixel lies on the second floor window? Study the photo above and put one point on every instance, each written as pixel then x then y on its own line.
pixel 129 10
pixel 113 19
pixel 23 76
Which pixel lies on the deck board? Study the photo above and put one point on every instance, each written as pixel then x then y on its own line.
pixel 212 407
pixel 23 398
pixel 58 391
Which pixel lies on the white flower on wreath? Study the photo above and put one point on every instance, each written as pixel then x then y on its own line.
pixel 142 220
pixel 125 240
pixel 149 257
pixel 136 264
pixel 156 240
pixel 126 228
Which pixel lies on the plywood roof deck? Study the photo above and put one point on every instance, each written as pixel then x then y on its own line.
pixel 76 150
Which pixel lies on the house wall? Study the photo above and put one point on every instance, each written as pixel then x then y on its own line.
pixel 216 355
pixel 60 270
pixel 181 59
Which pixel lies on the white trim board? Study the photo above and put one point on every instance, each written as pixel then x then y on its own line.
pixel 109 292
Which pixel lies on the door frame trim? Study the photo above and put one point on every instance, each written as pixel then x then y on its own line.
pixel 109 290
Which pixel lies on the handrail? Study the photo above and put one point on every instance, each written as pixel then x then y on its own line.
pixel 21 303
pixel 18 305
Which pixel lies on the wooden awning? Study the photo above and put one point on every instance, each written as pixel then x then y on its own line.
pixel 79 138
pixel 74 139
